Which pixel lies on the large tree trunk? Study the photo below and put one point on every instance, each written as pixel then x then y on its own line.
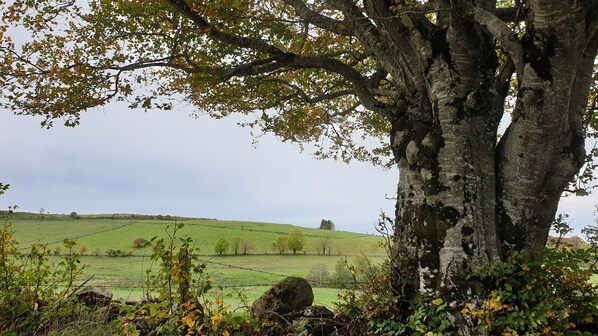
pixel 464 198
pixel 543 147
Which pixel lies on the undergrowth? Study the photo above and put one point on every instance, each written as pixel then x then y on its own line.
pixel 546 292
pixel 36 294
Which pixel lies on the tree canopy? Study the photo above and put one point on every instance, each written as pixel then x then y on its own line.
pixel 296 240
pixel 302 68
pixel 323 72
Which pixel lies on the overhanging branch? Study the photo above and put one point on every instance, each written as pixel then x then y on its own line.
pixel 318 19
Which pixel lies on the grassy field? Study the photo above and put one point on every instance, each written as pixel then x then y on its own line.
pixel 249 274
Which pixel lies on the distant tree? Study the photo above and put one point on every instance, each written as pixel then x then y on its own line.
pixel 82 250
pixel 281 244
pixel 235 244
pixel 221 246
pixel 324 244
pixel 318 274
pixel 73 215
pixel 342 274
pixel 42 211
pixel 296 241
pixel 246 245
pixel 327 224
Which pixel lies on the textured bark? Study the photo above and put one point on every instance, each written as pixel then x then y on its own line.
pixel 446 199
pixel 543 147
pixel 464 200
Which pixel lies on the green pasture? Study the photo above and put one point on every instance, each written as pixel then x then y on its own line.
pixel 237 278
pixel 104 234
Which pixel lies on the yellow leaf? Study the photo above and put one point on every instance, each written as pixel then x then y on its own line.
pixel 188 321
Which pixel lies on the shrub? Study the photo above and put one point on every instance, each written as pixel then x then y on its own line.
pixel 541 292
pixel 30 302
pixel 140 242
pixel 73 215
pixel 545 292
pixel 180 307
pixel 116 253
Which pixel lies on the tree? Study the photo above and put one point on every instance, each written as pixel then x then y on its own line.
pixel 318 274
pixel 281 244
pixel 342 277
pixel 246 245
pixel 235 244
pixel 296 241
pixel 324 244
pixel 239 244
pixel 434 78
pixel 327 224
pixel 221 246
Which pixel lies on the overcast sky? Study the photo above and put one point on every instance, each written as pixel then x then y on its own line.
pixel 123 161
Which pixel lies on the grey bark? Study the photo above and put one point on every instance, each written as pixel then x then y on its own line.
pixel 463 199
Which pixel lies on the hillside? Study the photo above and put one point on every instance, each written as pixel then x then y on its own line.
pixel 251 273
pixel 118 231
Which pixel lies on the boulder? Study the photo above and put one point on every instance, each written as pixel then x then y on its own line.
pixel 292 294
pixel 95 296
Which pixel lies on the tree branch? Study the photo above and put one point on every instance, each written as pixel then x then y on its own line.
pixel 214 33
pixel 508 14
pixel 317 99
pixel 500 31
pixel 319 20
pixel 359 83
